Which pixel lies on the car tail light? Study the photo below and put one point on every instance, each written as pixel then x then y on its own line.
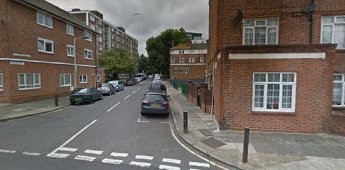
pixel 165 103
pixel 145 102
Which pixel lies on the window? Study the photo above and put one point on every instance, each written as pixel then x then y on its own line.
pixel 98 78
pixel 100 39
pixel 338 90
pixel 45 45
pixel 333 30
pixel 186 70
pixel 274 92
pixel 92 26
pixel 260 32
pixel 181 52
pixel 44 19
pixel 172 60
pixel 65 79
pixel 28 81
pixel 88 35
pixel 83 78
pixel 175 69
pixel 181 60
pixel 192 60
pixel 69 29
pixel 1 82
pixel 92 18
pixel 88 54
pixel 181 70
pixel 202 59
pixel 70 51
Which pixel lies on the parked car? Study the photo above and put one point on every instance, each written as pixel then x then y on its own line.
pixel 155 103
pixel 106 88
pixel 117 84
pixel 129 82
pixel 81 95
pixel 158 87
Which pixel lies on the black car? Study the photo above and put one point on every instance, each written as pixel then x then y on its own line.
pixel 155 103
pixel 88 95
pixel 158 87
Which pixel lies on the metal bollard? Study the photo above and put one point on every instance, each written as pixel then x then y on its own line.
pixel 245 145
pixel 56 99
pixel 185 121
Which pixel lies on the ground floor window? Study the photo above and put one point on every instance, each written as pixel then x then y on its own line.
pixel 274 92
pixel 338 90
pixel 83 78
pixel 65 79
pixel 1 82
pixel 29 81
pixel 98 78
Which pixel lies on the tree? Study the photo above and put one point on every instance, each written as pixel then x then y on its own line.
pixel 144 64
pixel 158 49
pixel 116 61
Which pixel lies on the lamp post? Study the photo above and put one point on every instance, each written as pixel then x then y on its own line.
pixel 75 59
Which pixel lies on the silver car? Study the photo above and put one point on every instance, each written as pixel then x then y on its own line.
pixel 106 88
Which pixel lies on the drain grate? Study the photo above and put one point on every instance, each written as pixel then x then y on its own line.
pixel 205 132
pixel 213 143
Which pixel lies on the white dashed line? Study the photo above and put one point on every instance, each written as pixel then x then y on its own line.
pixel 113 106
pixel 96 152
pixel 115 154
pixel 31 153
pixel 175 161
pixel 112 161
pixel 58 155
pixel 206 165
pixel 142 121
pixel 6 151
pixel 144 157
pixel 68 149
pixel 134 92
pixel 127 97
pixel 168 167
pixel 139 88
pixel 141 164
pixel 85 158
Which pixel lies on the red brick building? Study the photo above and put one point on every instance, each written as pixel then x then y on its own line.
pixel 188 61
pixel 278 65
pixel 38 54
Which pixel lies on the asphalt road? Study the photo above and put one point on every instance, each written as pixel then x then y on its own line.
pixel 108 134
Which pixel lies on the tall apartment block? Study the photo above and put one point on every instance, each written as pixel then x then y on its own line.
pixel 44 51
pixel 109 35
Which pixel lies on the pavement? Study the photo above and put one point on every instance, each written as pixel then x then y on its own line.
pixel 274 151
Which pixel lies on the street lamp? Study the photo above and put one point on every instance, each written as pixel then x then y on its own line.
pixel 75 59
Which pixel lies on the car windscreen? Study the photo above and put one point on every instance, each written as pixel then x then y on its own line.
pixel 82 91
pixel 104 85
pixel 155 98
pixel 156 88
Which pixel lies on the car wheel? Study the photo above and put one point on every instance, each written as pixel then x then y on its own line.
pixel 101 97
pixel 91 100
pixel 72 103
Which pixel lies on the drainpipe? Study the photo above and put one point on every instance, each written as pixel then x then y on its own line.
pixel 212 106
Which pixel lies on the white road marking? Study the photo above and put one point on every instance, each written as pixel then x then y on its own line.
pixel 68 149
pixel 134 92
pixel 141 164
pixel 85 158
pixel 139 88
pixel 206 165
pixel 58 155
pixel 6 151
pixel 112 161
pixel 115 154
pixel 175 161
pixel 190 151
pixel 54 154
pixel 193 169
pixel 144 157
pixel 113 106
pixel 31 153
pixel 168 167
pixel 142 121
pixel 127 97
pixel 96 152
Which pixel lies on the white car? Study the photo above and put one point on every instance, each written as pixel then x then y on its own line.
pixel 139 79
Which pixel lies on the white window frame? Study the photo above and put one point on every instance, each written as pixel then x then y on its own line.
pixel 72 50
pixel 34 85
pixel 192 60
pixel 83 78
pixel 92 18
pixel 257 26
pixel 280 83
pixel 1 82
pixel 88 34
pixel 45 41
pixel 181 60
pixel 87 53
pixel 181 70
pixel 45 17
pixel 172 60
pixel 335 22
pixel 69 29
pixel 63 83
pixel 342 81
pixel 202 59
pixel 98 78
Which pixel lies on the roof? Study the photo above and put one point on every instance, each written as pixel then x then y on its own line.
pixel 54 10
pixel 185 46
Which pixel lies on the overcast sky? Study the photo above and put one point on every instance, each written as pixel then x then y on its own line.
pixel 156 15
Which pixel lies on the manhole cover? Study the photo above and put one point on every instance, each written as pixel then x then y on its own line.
pixel 213 143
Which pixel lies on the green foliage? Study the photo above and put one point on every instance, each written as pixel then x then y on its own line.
pixel 158 49
pixel 117 61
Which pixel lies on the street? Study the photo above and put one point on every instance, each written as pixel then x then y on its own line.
pixel 108 134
